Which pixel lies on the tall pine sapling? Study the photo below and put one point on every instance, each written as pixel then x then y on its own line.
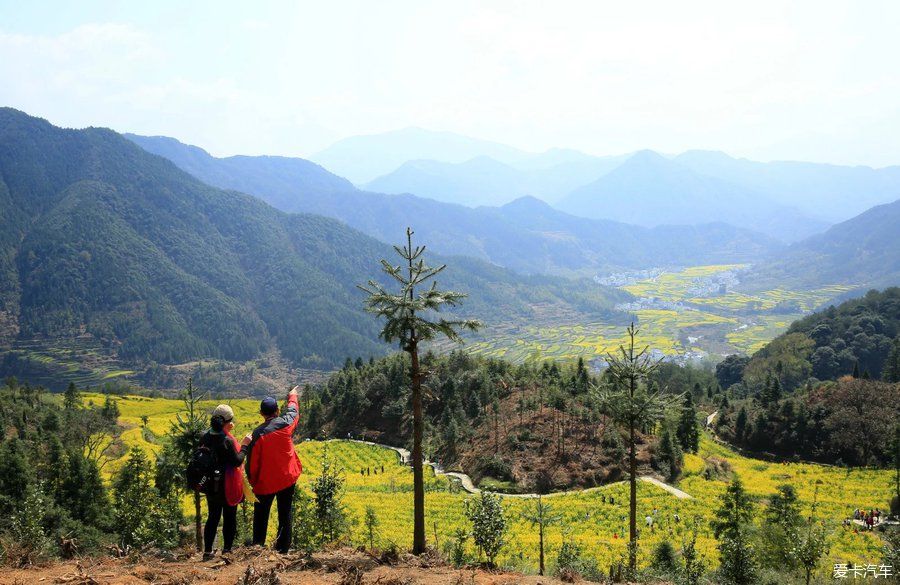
pixel 628 399
pixel 541 514
pixel 184 437
pixel 410 319
pixel 688 431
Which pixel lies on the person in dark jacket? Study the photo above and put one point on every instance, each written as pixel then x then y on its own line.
pixel 273 468
pixel 228 491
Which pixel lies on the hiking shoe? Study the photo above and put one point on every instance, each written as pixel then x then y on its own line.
pixel 208 556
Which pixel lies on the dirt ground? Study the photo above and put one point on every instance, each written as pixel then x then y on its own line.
pixel 262 567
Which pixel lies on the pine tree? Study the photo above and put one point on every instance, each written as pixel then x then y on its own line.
pixel 780 523
pixel 629 401
pixel 541 514
pixel 892 365
pixel 110 409
pixel 740 425
pixel 406 320
pixel 732 527
pixel 371 523
pixel 670 456
pixel 693 566
pixel 134 499
pixel 774 393
pixel 72 397
pixel 15 476
pixel 184 437
pixel 688 432
pixel 82 492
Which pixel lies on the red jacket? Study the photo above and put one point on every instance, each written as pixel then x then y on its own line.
pixel 272 462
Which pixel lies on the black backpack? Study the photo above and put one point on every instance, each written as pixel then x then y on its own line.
pixel 203 472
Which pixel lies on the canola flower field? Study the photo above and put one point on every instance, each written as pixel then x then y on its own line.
pixel 599 526
pixel 691 312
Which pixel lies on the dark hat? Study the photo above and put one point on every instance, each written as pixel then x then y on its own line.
pixel 268 406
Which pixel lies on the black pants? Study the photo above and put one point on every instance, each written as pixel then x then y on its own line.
pixel 218 508
pixel 261 518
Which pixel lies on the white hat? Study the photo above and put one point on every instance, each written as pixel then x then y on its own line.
pixel 224 411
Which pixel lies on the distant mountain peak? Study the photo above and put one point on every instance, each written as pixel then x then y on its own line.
pixel 529 203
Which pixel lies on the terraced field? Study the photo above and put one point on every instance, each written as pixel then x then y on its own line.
pixel 687 315
pixel 54 363
pixel 598 525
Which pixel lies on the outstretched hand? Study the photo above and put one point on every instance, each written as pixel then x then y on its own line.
pixel 295 391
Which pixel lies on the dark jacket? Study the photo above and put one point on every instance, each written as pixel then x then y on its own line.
pixel 272 462
pixel 225 450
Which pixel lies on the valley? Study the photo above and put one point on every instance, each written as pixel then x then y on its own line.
pixel 685 315
pixel 441 293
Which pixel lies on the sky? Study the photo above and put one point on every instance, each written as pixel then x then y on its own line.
pixel 814 81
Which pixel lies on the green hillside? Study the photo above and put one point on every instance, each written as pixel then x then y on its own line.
pixel 525 235
pixel 101 238
pixel 864 249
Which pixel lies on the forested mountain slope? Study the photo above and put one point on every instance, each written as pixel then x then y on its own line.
pixel 862 250
pixel 100 237
pixel 857 335
pixel 526 235
pixel 828 389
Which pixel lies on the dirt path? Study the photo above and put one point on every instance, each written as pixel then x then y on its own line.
pixel 469 486
pixel 261 567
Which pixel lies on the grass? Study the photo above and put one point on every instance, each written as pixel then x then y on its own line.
pixel 374 477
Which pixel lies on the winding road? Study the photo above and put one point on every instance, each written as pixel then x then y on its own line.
pixel 469 486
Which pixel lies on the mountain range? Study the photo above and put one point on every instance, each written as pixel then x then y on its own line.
pixel 530 236
pixel 790 200
pixel 485 181
pixel 363 158
pixel 526 235
pixel 649 189
pixel 100 238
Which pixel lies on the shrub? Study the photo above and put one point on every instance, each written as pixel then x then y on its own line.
pixel 664 560
pixel 488 524
pixel 571 562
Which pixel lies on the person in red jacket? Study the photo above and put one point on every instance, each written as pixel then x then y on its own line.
pixel 273 468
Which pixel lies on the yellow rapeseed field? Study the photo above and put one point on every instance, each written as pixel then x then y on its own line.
pixel 599 526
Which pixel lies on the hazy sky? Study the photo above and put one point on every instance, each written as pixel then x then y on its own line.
pixel 797 80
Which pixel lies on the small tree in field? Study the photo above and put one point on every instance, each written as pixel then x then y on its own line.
pixel 371 523
pixel 541 514
pixel 628 399
pixel 406 314
pixel 488 524
pixel 184 439
pixel 693 566
pixel 732 527
pixel 811 546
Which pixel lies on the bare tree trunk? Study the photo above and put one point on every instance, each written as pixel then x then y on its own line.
pixel 541 539
pixel 632 470
pixel 418 481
